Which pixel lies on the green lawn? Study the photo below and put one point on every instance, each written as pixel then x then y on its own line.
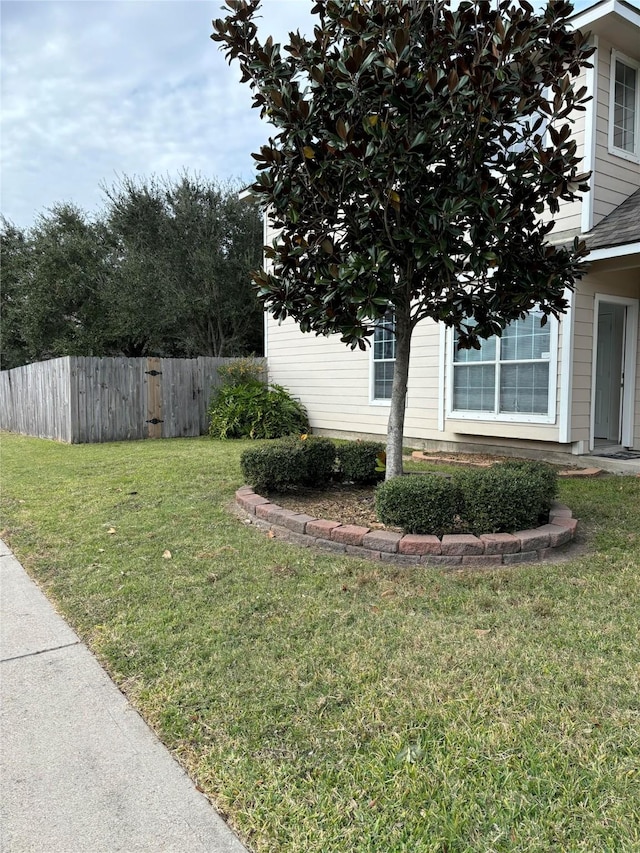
pixel 331 704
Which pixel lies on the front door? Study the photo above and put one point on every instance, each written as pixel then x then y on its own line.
pixel 609 371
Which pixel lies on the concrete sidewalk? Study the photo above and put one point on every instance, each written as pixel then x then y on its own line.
pixel 80 772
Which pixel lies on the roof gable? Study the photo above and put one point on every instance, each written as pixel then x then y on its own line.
pixel 621 226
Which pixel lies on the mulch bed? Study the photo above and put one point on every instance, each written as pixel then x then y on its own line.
pixel 338 502
pixel 351 504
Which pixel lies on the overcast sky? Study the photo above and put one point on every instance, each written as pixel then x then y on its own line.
pixel 96 89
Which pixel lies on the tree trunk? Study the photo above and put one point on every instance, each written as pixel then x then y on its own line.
pixel 395 429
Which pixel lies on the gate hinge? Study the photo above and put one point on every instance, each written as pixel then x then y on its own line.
pixel 154 372
pixel 154 421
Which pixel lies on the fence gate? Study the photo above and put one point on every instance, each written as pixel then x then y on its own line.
pixel 82 399
pixel 153 387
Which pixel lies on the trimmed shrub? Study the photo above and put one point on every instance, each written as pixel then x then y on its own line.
pixel 358 460
pixel 424 503
pixel 507 497
pixel 255 410
pixel 289 463
pixel 320 456
pixel 272 467
pixel 540 476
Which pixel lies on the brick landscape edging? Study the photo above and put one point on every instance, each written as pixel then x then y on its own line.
pixel 489 549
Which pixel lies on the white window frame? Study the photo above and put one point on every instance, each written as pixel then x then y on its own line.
pixel 633 156
pixel 508 417
pixel 373 400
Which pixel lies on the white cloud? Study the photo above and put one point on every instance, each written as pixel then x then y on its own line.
pixel 97 88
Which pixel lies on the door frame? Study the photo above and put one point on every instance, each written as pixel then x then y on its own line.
pixel 629 355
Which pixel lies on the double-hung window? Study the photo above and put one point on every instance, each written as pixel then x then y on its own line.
pixel 624 112
pixel 383 358
pixel 508 378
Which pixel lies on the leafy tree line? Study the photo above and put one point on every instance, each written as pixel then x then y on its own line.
pixel 162 270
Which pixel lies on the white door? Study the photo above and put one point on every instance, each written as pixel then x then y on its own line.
pixel 609 371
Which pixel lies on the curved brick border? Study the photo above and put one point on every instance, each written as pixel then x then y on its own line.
pixel 490 549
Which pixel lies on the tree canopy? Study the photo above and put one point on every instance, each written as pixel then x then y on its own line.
pixel 417 150
pixel 163 270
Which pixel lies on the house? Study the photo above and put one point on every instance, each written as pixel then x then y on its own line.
pixel 569 387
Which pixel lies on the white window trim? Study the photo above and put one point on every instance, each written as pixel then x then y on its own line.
pixel 590 122
pixel 491 417
pixel 442 374
pixel 566 370
pixel 634 156
pixel 373 400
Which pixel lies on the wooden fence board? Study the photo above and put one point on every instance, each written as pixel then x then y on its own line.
pixel 154 408
pixel 34 399
pixel 187 385
pixel 82 399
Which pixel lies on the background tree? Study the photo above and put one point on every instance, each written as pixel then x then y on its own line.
pixel 163 270
pixel 185 249
pixel 410 166
pixel 54 282
pixel 13 261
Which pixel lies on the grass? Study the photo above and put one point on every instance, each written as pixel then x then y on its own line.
pixel 332 704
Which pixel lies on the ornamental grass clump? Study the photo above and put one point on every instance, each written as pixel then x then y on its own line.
pixel 253 409
pixel 289 463
pixel 424 503
pixel 239 371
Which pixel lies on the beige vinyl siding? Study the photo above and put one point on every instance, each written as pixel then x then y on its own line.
pixel 582 358
pixel 501 429
pixel 500 437
pixel 615 178
pixel 422 414
pixel 568 221
pixel 569 218
pixel 333 382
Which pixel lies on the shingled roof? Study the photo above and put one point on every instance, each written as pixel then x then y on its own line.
pixel 621 226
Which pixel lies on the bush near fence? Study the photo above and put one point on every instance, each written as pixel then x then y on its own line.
pixel 80 399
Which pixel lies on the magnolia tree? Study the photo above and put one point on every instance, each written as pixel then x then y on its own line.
pixel 416 148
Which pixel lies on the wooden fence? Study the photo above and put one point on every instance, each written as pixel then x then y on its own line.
pixel 82 399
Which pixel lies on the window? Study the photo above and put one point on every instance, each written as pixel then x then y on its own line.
pixel 384 356
pixel 624 114
pixel 508 377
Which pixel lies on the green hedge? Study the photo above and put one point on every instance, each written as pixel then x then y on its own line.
pixel 358 460
pixel 419 503
pixel 510 496
pixel 506 497
pixel 289 463
pixel 540 476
